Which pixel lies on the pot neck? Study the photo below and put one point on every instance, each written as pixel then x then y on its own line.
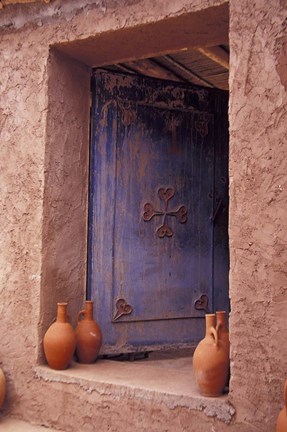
pixel 221 320
pixel 62 312
pixel 89 309
pixel 209 322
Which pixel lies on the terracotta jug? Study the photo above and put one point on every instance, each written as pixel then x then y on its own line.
pixel 281 425
pixel 88 335
pixel 60 340
pixel 2 387
pixel 211 361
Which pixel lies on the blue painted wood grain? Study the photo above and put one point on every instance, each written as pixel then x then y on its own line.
pixel 148 135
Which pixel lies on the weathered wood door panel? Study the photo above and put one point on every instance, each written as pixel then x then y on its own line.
pixel 152 210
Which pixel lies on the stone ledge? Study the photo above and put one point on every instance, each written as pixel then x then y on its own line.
pixel 159 384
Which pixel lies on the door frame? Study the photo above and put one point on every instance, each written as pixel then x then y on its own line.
pixel 64 238
pixel 220 259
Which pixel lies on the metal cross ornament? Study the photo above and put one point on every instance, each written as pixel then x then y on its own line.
pixel 149 212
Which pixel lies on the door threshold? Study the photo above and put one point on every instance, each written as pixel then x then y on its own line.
pixel 172 357
pixel 158 378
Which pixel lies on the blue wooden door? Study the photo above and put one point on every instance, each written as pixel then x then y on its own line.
pixel 154 209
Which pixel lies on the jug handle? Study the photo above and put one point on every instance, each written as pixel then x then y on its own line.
pixel 218 329
pixel 82 312
pixel 214 333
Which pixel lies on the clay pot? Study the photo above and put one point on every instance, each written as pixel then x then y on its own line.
pixel 88 335
pixel 211 361
pixel 60 340
pixel 281 425
pixel 2 387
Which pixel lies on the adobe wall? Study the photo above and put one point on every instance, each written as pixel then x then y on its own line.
pixel 43 213
pixel 258 223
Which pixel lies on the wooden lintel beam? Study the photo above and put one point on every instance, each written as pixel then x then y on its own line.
pixel 217 54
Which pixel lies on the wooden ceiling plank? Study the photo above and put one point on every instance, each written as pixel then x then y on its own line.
pixel 153 69
pixel 188 72
pixel 124 68
pixel 217 54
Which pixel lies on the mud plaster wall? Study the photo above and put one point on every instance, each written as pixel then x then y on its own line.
pixel 66 188
pixel 258 223
pixel 38 152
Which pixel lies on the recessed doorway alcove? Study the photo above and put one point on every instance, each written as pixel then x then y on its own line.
pixel 65 233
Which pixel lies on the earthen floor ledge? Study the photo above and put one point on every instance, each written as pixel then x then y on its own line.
pixel 15 425
pixel 170 386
